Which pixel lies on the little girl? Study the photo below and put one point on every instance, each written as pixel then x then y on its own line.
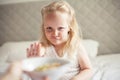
pixel 60 39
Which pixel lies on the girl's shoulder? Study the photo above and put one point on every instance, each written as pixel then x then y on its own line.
pixel 80 45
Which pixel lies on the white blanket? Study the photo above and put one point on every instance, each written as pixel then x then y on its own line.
pixel 108 67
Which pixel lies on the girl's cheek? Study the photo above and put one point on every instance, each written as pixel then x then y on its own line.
pixel 48 34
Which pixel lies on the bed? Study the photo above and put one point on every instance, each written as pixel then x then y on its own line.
pixel 106 67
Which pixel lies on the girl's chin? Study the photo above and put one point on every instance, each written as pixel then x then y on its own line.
pixel 56 43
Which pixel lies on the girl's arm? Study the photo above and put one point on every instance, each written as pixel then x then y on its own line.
pixel 85 65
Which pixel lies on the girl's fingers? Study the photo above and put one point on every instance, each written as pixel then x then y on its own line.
pixel 27 52
pixel 38 49
pixel 31 49
pixel 34 50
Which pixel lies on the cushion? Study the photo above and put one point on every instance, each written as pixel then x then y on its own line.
pixel 91 47
pixel 17 50
pixel 3 53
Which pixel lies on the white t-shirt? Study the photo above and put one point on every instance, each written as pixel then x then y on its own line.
pixel 74 68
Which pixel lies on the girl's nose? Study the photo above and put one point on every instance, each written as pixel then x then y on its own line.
pixel 56 33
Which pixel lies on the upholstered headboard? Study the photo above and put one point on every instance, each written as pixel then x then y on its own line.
pixel 98 19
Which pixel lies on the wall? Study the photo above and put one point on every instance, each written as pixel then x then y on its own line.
pixel 98 19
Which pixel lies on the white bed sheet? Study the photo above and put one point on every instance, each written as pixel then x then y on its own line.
pixel 107 67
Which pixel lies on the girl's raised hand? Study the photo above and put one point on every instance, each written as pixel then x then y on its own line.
pixel 34 50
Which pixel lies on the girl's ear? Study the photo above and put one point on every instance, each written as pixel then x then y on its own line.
pixel 69 30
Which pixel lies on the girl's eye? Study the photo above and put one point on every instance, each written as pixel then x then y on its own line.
pixel 49 29
pixel 61 28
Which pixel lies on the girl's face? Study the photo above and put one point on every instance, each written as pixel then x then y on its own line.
pixel 56 28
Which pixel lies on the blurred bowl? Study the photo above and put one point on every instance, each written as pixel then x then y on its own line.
pixel 29 65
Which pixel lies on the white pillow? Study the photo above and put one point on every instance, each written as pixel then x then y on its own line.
pixel 91 47
pixel 3 54
pixel 17 50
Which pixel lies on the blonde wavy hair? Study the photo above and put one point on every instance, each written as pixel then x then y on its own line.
pixel 74 35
